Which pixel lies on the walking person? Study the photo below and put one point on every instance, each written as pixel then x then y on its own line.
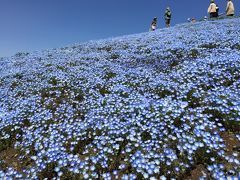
pixel 168 16
pixel 153 24
pixel 212 9
pixel 230 8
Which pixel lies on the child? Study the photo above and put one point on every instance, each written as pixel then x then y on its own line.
pixel 154 24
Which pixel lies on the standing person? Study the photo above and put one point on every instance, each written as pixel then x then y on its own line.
pixel 193 20
pixel 230 8
pixel 168 16
pixel 153 24
pixel 217 10
pixel 212 9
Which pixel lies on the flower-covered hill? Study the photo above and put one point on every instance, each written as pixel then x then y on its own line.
pixel 157 105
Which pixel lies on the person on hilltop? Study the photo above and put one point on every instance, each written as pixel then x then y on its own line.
pixel 212 9
pixel 153 24
pixel 217 11
pixel 168 16
pixel 191 20
pixel 230 8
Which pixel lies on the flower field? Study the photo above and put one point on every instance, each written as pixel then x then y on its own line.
pixel 156 105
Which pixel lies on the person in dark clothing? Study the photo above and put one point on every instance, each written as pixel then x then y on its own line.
pixel 217 10
pixel 153 24
pixel 168 16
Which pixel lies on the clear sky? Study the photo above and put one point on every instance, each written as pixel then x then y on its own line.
pixel 28 25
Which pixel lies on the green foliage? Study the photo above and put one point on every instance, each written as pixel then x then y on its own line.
pixel 209 46
pixel 193 101
pixel 110 75
pixel 18 76
pixel 80 146
pixel 216 114
pixel 178 53
pixel 233 126
pixel 124 94
pixel 48 172
pixel 114 56
pixel 14 84
pixel 162 93
pixel 26 123
pixel 178 123
pixel 80 96
pixel 102 89
pixel 236 46
pixel 62 68
pixel 21 54
pixel 147 51
pixel 125 47
pixel 146 136
pixel 48 65
pixel 194 53
pixel 9 142
pixel 53 81
pixel 230 125
pixel 174 63
pixel 106 48
pixel 202 157
pixel 69 175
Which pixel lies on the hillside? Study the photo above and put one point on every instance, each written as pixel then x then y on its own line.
pixel 163 104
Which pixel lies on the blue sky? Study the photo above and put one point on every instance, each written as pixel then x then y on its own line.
pixel 28 25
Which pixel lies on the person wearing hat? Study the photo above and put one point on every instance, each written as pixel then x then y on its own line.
pixel 230 8
pixel 212 9
pixel 168 16
pixel 153 24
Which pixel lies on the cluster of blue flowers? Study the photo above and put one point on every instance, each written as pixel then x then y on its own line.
pixel 152 105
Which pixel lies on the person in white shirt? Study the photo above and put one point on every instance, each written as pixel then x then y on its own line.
pixel 230 8
pixel 212 9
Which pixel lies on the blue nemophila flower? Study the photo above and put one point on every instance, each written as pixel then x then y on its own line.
pixel 152 104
